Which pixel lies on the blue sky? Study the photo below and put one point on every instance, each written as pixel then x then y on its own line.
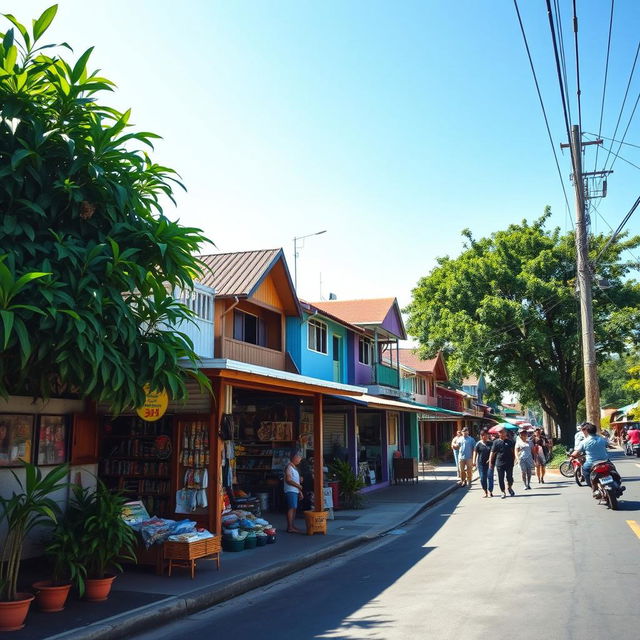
pixel 392 125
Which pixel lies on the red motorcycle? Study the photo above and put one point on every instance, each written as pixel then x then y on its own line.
pixel 572 468
pixel 606 483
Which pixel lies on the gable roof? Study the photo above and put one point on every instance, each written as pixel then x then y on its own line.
pixel 371 311
pixel 312 309
pixel 241 273
pixel 436 366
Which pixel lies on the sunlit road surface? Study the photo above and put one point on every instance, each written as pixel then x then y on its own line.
pixel 547 563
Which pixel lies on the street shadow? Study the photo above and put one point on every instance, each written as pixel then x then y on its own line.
pixel 345 597
pixel 629 505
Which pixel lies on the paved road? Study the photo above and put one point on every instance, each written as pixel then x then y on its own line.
pixel 548 563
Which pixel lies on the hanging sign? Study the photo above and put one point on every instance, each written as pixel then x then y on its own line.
pixel 155 405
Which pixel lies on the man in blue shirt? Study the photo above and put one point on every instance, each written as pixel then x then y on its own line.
pixel 465 457
pixel 594 448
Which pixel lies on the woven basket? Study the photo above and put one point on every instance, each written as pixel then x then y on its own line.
pixel 192 550
pixel 316 522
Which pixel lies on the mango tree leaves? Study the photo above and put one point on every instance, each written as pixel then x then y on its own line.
pixel 87 255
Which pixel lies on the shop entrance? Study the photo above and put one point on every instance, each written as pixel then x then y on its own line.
pixel 370 446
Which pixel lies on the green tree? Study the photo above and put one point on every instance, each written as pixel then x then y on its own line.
pixel 88 259
pixel 507 306
pixel 616 380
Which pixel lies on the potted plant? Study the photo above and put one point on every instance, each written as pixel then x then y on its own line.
pixel 66 556
pixel 103 536
pixel 29 507
pixel 350 484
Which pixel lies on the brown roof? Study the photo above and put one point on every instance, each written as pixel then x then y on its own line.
pixel 311 308
pixel 238 274
pixel 372 311
pixel 410 358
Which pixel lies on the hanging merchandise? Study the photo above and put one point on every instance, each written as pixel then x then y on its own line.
pixel 194 458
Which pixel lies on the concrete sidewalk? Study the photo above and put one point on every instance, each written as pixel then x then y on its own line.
pixel 140 599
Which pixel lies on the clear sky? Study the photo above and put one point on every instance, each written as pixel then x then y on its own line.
pixel 392 125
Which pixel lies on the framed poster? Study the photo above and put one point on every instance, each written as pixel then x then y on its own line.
pixel 16 439
pixel 52 440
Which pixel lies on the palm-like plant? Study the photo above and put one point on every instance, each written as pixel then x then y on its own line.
pixel 31 506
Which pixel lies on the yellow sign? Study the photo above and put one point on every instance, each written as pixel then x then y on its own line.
pixel 155 405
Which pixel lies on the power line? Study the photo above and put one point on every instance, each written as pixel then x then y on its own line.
pixel 560 81
pixel 575 38
pixel 624 101
pixel 616 233
pixel 593 205
pixel 544 111
pixel 604 86
pixel 597 135
pixel 624 135
pixel 616 155
pixel 563 57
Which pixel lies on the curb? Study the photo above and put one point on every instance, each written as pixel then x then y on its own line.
pixel 152 615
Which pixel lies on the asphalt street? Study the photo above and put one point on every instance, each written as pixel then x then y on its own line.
pixel 547 563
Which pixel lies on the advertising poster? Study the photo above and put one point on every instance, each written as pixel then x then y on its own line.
pixel 16 439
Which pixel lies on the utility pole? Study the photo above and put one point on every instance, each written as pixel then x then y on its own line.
pixel 591 386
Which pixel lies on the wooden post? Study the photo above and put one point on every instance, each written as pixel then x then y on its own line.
pixel 318 461
pixel 215 465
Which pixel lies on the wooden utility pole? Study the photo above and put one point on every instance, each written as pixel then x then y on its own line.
pixel 591 386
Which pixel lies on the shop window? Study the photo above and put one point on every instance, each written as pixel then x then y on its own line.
pixel 317 336
pixel 52 440
pixel 249 328
pixel 365 351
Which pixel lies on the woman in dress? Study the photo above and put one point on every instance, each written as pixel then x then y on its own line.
pixel 540 448
pixel 524 457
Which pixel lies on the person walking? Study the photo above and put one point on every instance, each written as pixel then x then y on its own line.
pixel 455 447
pixel 524 457
pixel 502 457
pixel 481 453
pixel 540 450
pixel 292 490
pixel 465 457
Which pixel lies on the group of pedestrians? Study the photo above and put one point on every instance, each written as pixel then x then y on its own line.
pixel 501 453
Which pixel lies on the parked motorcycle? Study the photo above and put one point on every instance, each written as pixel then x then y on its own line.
pixel 606 483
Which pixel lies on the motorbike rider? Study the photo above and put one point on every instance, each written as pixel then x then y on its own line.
pixel 633 435
pixel 581 434
pixel 594 448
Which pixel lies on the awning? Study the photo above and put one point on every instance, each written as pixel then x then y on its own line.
pixel 376 402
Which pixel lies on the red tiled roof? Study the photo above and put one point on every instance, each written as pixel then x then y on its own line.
pixel 410 358
pixel 237 274
pixel 371 311
pixel 309 307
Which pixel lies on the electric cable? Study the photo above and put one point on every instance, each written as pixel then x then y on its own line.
pixel 595 135
pixel 544 111
pixel 624 135
pixel 578 90
pixel 624 100
pixel 563 57
pixel 616 233
pixel 604 86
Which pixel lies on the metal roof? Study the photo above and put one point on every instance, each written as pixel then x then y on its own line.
pixel 240 273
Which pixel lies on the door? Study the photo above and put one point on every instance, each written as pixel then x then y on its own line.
pixel 337 359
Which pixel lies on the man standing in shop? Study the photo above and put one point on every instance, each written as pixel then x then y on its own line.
pixel 292 490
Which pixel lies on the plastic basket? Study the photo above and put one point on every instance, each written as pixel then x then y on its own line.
pixel 316 522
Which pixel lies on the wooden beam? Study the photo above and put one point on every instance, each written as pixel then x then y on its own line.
pixel 318 461
pixel 215 476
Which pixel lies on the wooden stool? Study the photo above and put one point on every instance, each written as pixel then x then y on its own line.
pixel 185 554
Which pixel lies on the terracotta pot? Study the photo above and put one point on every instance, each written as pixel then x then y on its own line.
pixel 50 598
pixel 98 589
pixel 14 612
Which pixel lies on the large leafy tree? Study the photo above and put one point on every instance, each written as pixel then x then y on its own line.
pixel 507 306
pixel 88 259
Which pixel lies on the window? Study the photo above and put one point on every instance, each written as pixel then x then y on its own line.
pixel 317 336
pixel 249 328
pixel 365 351
pixel 419 386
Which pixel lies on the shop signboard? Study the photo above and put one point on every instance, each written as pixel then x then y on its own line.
pixel 155 404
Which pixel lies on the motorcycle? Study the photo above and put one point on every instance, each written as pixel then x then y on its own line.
pixel 606 483
pixel 572 468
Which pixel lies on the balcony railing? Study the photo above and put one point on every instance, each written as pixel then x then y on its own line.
pixel 252 354
pixel 200 329
pixel 386 376
pixel 449 403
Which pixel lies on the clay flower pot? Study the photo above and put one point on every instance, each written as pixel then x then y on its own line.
pixel 14 612
pixel 50 598
pixel 98 589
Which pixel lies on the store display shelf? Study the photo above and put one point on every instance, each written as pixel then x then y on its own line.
pixel 254 469
pixel 252 455
pixel 119 437
pixel 137 476
pixel 154 458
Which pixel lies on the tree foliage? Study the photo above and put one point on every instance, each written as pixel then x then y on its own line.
pixel 507 306
pixel 618 382
pixel 88 259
